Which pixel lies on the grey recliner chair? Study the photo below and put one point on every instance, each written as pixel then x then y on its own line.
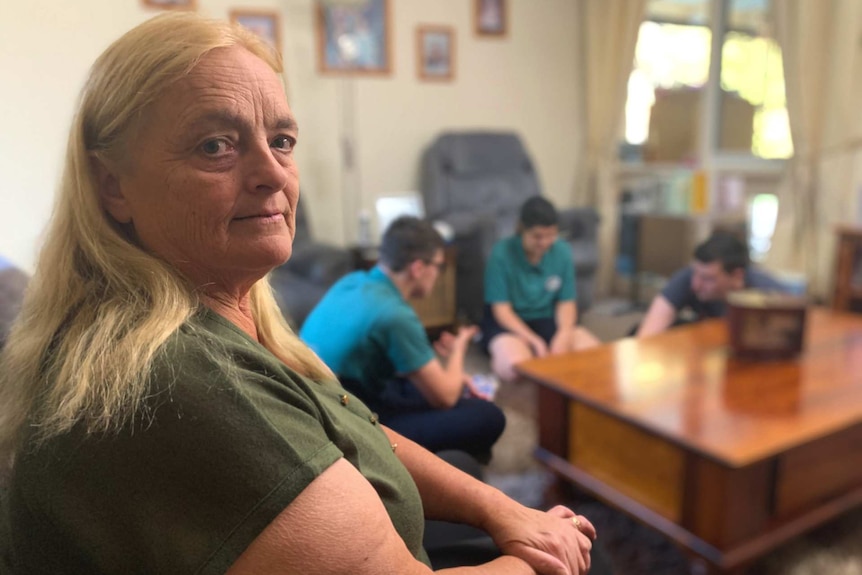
pixel 312 268
pixel 476 183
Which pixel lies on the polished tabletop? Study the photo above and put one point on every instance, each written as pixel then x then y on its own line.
pixel 686 386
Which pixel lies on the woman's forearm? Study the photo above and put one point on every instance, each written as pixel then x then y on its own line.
pixel 448 494
pixel 533 540
pixel 505 565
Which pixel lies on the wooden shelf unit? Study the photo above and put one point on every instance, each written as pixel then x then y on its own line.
pixel 847 293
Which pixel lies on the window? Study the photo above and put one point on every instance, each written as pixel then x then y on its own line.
pixel 665 115
pixel 672 53
pixel 752 70
pixel 762 216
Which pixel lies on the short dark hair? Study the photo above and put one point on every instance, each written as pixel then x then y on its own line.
pixel 724 247
pixel 408 239
pixel 537 211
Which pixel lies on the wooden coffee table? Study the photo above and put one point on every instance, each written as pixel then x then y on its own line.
pixel 727 457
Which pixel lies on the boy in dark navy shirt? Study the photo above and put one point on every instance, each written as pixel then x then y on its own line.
pixel 720 266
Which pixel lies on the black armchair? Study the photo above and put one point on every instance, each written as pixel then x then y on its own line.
pixel 476 183
pixel 312 268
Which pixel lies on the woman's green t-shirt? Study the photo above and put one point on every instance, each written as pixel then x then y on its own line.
pixel 229 437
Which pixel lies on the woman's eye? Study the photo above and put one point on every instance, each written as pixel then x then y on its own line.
pixel 285 143
pixel 215 147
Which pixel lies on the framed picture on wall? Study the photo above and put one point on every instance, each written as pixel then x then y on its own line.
pixel 264 24
pixel 170 4
pixel 436 53
pixel 491 17
pixel 353 37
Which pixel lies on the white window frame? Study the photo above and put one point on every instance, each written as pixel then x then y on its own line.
pixel 713 158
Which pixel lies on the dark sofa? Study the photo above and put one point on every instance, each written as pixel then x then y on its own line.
pixel 312 268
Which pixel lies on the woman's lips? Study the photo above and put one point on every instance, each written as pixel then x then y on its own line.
pixel 263 218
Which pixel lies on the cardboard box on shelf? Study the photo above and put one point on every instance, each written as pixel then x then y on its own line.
pixel 675 125
pixel 666 242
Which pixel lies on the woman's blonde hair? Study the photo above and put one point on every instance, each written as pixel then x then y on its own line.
pixel 98 307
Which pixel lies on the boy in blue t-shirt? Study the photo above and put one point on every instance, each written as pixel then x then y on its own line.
pixel 365 330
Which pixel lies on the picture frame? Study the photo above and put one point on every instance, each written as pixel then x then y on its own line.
pixel 171 4
pixel 435 48
pixel 354 38
pixel 265 24
pixel 491 17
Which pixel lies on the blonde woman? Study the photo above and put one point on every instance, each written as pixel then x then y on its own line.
pixel 158 414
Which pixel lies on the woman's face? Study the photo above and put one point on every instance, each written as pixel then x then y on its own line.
pixel 209 181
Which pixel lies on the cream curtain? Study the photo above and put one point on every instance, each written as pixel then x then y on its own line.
pixel 609 29
pixel 819 44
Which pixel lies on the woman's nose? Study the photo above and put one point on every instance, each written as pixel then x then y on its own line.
pixel 265 171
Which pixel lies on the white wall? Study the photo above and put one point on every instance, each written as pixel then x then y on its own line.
pixel 527 82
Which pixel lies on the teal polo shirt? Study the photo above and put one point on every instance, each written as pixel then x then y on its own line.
pixel 364 330
pixel 532 290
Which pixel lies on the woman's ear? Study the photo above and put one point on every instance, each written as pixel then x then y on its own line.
pixel 110 192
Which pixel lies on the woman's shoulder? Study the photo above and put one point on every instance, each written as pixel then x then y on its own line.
pixel 209 352
pixel 218 425
pixel 200 343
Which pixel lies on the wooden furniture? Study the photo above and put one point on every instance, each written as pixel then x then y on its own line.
pixel 661 244
pixel 727 457
pixel 437 311
pixel 666 242
pixel 847 293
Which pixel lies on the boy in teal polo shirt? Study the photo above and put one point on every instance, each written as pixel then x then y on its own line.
pixel 368 334
pixel 530 293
